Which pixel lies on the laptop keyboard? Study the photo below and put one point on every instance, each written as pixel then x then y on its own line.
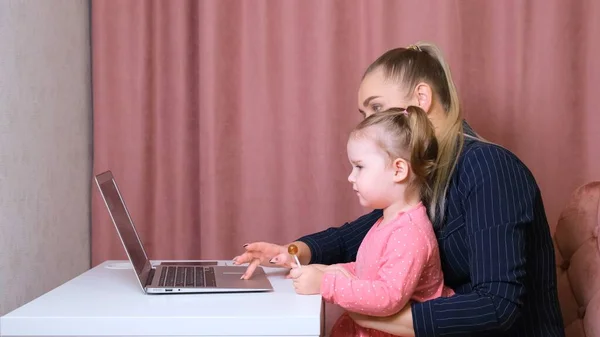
pixel 187 277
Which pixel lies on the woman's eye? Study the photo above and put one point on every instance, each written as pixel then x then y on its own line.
pixel 376 107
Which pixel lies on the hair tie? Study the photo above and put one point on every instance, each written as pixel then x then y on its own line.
pixel 395 111
pixel 414 47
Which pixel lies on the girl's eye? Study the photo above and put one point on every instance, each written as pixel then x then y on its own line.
pixel 376 107
pixel 358 167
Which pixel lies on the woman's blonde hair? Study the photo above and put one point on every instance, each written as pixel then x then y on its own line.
pixel 407 134
pixel 424 62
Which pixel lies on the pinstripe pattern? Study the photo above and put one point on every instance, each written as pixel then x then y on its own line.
pixel 495 246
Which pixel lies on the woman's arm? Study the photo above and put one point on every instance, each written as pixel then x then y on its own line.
pixel 501 203
pixel 400 324
pixel 331 246
pixel 338 244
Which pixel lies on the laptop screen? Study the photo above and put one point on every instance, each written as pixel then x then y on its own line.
pixel 124 224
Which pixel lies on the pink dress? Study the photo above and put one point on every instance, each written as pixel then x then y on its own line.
pixel 396 263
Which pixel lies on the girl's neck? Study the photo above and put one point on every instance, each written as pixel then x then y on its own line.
pixel 401 205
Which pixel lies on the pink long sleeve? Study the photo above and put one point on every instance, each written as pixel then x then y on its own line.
pixel 397 274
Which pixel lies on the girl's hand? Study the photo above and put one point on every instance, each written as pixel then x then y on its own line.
pixel 307 279
pixel 322 267
pixel 336 268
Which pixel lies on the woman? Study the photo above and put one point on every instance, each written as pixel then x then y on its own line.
pixel 494 239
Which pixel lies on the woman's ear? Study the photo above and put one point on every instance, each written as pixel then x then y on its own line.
pixel 424 96
pixel 400 170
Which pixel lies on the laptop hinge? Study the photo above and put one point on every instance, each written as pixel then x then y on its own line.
pixel 150 277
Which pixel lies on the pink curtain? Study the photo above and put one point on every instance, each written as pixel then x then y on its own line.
pixel 225 121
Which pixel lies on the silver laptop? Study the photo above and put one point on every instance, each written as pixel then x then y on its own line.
pixel 176 276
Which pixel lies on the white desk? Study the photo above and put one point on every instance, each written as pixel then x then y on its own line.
pixel 109 302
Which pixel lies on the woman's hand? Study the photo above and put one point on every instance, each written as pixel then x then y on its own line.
pixel 263 253
pixel 399 324
pixel 270 255
pixel 307 279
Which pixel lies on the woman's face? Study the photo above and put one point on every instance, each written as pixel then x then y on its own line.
pixel 376 93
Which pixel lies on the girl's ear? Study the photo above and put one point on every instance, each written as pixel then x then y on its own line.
pixel 401 168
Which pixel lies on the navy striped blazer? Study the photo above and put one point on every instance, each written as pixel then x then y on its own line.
pixel 495 246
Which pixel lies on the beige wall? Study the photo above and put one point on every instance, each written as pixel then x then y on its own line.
pixel 45 146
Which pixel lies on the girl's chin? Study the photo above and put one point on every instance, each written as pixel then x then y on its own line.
pixel 363 202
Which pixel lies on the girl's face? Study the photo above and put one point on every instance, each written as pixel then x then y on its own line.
pixel 372 177
pixel 376 93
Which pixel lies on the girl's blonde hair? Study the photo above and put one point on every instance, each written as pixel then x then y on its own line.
pixel 424 62
pixel 407 134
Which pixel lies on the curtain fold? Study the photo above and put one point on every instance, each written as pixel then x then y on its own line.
pixel 226 121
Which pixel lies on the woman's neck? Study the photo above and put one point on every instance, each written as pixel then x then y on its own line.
pixel 439 118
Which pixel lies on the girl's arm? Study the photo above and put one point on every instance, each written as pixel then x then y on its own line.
pixel 398 275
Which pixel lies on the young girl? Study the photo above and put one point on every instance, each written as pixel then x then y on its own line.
pixel 392 154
